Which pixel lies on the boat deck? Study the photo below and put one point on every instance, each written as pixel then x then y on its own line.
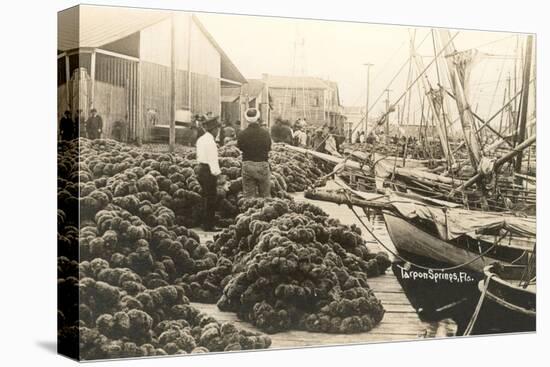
pixel 401 322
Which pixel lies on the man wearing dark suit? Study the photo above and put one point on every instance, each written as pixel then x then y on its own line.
pixel 94 125
pixel 67 128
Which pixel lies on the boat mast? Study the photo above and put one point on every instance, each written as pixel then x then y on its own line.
pixel 465 114
pixel 436 112
pixel 522 116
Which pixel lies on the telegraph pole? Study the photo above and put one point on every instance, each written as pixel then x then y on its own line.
pixel 368 65
pixel 172 133
pixel 387 111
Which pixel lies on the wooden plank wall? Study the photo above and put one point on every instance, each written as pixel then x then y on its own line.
pixel 123 74
pixel 205 94
pixel 155 79
pixel 155 89
pixel 62 100
pixel 111 102
pixel 193 51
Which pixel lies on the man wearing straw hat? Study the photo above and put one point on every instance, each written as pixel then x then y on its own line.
pixel 255 144
pixel 208 172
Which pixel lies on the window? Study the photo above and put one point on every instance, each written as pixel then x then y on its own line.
pixel 315 102
pixel 293 100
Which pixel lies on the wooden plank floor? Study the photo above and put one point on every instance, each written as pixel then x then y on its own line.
pixel 400 322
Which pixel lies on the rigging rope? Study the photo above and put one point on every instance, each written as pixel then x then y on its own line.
pixel 444 115
pixel 475 315
pixel 491 42
pixel 393 79
pixel 396 255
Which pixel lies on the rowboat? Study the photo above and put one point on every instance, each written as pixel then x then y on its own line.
pixel 508 292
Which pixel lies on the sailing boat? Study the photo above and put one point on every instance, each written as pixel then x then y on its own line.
pixel 402 174
pixel 436 224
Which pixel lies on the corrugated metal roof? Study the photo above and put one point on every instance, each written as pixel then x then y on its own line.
pixel 95 26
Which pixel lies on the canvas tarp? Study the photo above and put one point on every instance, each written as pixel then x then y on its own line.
pixel 385 169
pixel 452 223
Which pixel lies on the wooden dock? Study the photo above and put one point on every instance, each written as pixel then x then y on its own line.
pixel 401 322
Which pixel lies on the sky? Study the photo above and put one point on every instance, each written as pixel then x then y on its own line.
pixel 337 51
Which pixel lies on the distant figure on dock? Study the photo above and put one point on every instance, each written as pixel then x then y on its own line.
pixel 237 127
pixel 318 141
pixel 300 137
pixel 361 137
pixel 209 170
pixel 281 132
pixel 255 144
pixel 330 142
pixel 120 130
pixel 371 139
pixel 195 131
pixel 67 127
pixel 228 133
pixel 94 125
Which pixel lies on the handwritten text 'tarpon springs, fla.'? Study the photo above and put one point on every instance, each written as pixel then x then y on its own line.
pixel 436 276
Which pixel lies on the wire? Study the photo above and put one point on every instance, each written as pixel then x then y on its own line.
pixel 389 84
pixel 491 42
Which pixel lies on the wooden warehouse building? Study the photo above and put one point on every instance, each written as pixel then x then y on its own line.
pixel 315 99
pixel 118 60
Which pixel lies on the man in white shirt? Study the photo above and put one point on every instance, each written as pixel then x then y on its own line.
pixel 209 170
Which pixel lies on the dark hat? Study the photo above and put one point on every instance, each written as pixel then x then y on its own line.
pixel 211 123
pixel 93 110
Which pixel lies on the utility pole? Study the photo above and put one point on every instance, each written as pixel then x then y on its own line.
pixel 509 108
pixel 172 137
pixel 387 111
pixel 190 20
pixel 368 65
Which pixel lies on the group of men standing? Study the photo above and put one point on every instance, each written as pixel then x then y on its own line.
pixel 254 142
pixel 70 128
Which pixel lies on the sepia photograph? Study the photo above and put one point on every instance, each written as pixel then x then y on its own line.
pixel 236 182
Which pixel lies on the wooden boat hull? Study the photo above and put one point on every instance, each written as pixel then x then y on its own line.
pixel 455 300
pixel 506 307
pixel 409 238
